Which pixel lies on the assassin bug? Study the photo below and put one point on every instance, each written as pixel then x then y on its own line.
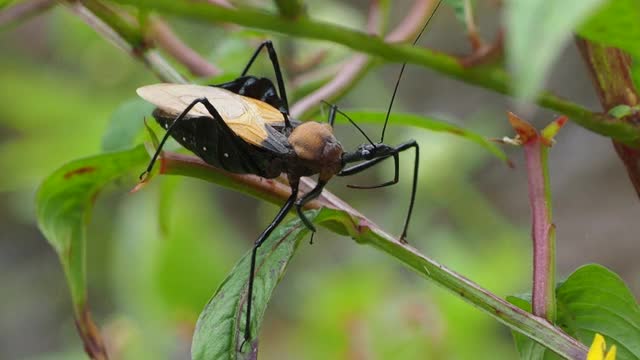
pixel 243 126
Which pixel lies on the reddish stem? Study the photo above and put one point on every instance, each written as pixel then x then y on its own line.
pixel 24 10
pixel 172 44
pixel 540 230
pixel 535 152
pixel 610 70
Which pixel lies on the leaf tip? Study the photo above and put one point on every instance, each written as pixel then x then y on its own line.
pixel 525 132
pixel 551 130
pixel 141 184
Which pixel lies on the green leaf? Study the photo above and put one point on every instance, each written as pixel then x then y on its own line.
pixel 615 24
pixel 595 299
pixel 537 31
pixel 126 125
pixel 592 300
pixel 372 117
pixel 621 111
pixel 64 202
pixel 220 328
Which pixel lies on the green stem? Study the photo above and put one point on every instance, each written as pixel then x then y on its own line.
pixel 290 9
pixel 492 78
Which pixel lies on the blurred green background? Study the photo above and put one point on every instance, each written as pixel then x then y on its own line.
pixel 155 257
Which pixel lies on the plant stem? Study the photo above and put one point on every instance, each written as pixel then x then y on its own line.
pixel 290 9
pixel 492 78
pixel 536 150
pixel 542 229
pixel 24 10
pixel 610 70
pixel 358 65
pixel 125 35
pixel 169 41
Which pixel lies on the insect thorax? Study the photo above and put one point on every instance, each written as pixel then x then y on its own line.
pixel 315 144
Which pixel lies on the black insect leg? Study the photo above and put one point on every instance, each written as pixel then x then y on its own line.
pixel 265 234
pixel 279 79
pixel 314 193
pixel 369 163
pixel 182 115
pixel 332 114
pixel 414 186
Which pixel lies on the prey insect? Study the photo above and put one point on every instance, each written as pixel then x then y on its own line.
pixel 244 127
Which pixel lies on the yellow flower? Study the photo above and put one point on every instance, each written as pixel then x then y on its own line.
pixel 598 350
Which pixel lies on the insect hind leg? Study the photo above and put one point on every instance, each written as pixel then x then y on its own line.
pixel 210 108
pixel 276 68
pixel 170 129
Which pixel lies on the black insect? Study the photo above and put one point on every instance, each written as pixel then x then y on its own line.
pixel 244 127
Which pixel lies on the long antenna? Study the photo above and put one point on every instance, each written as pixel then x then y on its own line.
pixel 395 89
pixel 335 108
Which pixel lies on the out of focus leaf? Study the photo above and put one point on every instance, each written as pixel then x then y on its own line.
pixel 64 203
pixel 220 328
pixel 621 111
pixel 615 24
pixel 126 124
pixel 65 122
pixel 537 31
pixel 372 117
pixel 592 300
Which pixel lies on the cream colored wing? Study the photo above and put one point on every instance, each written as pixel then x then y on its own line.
pixel 247 117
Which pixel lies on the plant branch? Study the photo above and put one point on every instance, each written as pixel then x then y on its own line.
pixel 291 9
pixel 124 35
pixel 536 150
pixel 492 78
pixel 356 67
pixel 365 231
pixel 167 40
pixel 610 70
pixel 350 71
pixel 24 10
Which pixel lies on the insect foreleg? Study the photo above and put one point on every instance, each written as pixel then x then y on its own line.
pixel 314 193
pixel 369 163
pixel 416 163
pixel 366 165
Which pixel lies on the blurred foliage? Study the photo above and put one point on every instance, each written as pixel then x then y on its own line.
pixel 157 256
pixel 538 29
